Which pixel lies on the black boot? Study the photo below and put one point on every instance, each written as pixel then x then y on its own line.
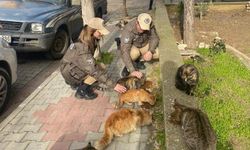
pixel 139 65
pixel 85 91
pixel 124 72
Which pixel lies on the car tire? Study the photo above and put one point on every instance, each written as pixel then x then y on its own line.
pixel 60 44
pixel 5 84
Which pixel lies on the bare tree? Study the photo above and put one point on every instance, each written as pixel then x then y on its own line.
pixel 125 8
pixel 87 10
pixel 189 23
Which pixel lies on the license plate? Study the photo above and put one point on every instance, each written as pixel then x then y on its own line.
pixel 7 38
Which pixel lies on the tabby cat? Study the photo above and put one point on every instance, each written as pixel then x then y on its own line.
pixel 131 82
pixel 149 86
pixel 187 78
pixel 197 130
pixel 139 96
pixel 89 147
pixel 122 122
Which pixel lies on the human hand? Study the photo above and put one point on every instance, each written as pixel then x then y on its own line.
pixel 148 56
pixel 119 88
pixel 137 74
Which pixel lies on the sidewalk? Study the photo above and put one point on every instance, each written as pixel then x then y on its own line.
pixel 51 118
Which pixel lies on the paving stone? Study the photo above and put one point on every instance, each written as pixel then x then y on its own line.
pixel 124 138
pixel 4 145
pixel 138 131
pixel 114 100
pixel 16 146
pixel 12 128
pixel 30 136
pixel 27 120
pixel 145 146
pixel 17 137
pixel 37 146
pixel 146 129
pixel 112 146
pixel 16 119
pixel 3 135
pixel 61 146
pixel 91 136
pixel 102 127
pixel 78 145
pixel 127 146
pixel 138 137
pixel 31 128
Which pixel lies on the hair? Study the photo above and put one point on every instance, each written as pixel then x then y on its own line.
pixel 86 36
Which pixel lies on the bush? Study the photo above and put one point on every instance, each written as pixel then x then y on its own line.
pixel 106 58
pixel 217 46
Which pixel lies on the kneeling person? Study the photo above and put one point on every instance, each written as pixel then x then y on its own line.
pixel 139 39
pixel 78 66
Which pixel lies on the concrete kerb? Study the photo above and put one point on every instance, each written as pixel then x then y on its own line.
pixel 170 60
pixel 242 57
pixel 27 100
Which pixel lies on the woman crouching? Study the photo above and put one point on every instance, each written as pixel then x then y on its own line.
pixel 78 66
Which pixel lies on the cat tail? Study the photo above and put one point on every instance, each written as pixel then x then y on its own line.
pixel 106 139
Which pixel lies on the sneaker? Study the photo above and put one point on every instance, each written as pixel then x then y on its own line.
pixel 87 93
pixel 124 72
pixel 139 65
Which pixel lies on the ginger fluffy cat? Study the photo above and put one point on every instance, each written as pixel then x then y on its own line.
pixel 139 96
pixel 121 122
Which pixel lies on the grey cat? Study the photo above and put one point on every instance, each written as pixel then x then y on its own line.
pixel 187 78
pixel 197 130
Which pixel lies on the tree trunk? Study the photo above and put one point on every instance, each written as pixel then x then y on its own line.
pixel 87 10
pixel 189 23
pixel 125 8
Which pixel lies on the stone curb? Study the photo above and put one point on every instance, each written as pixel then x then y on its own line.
pixel 242 57
pixel 170 60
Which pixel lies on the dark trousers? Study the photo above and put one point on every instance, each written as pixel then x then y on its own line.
pixel 151 4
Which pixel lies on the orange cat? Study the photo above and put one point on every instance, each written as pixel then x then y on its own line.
pixel 121 122
pixel 136 95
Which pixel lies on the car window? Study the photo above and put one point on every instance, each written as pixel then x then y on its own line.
pixel 50 1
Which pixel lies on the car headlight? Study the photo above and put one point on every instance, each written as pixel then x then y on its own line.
pixel 36 27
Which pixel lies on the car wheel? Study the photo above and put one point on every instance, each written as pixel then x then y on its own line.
pixel 5 84
pixel 60 44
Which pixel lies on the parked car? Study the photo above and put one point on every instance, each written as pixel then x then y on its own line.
pixel 43 25
pixel 8 71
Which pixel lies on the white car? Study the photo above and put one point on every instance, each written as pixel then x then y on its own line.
pixel 8 71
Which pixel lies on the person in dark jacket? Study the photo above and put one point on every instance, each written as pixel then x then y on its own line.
pixel 139 40
pixel 78 66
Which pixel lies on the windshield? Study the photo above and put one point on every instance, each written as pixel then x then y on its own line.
pixel 49 1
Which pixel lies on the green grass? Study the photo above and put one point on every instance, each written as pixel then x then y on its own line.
pixel 106 58
pixel 158 114
pixel 224 94
pixel 158 117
